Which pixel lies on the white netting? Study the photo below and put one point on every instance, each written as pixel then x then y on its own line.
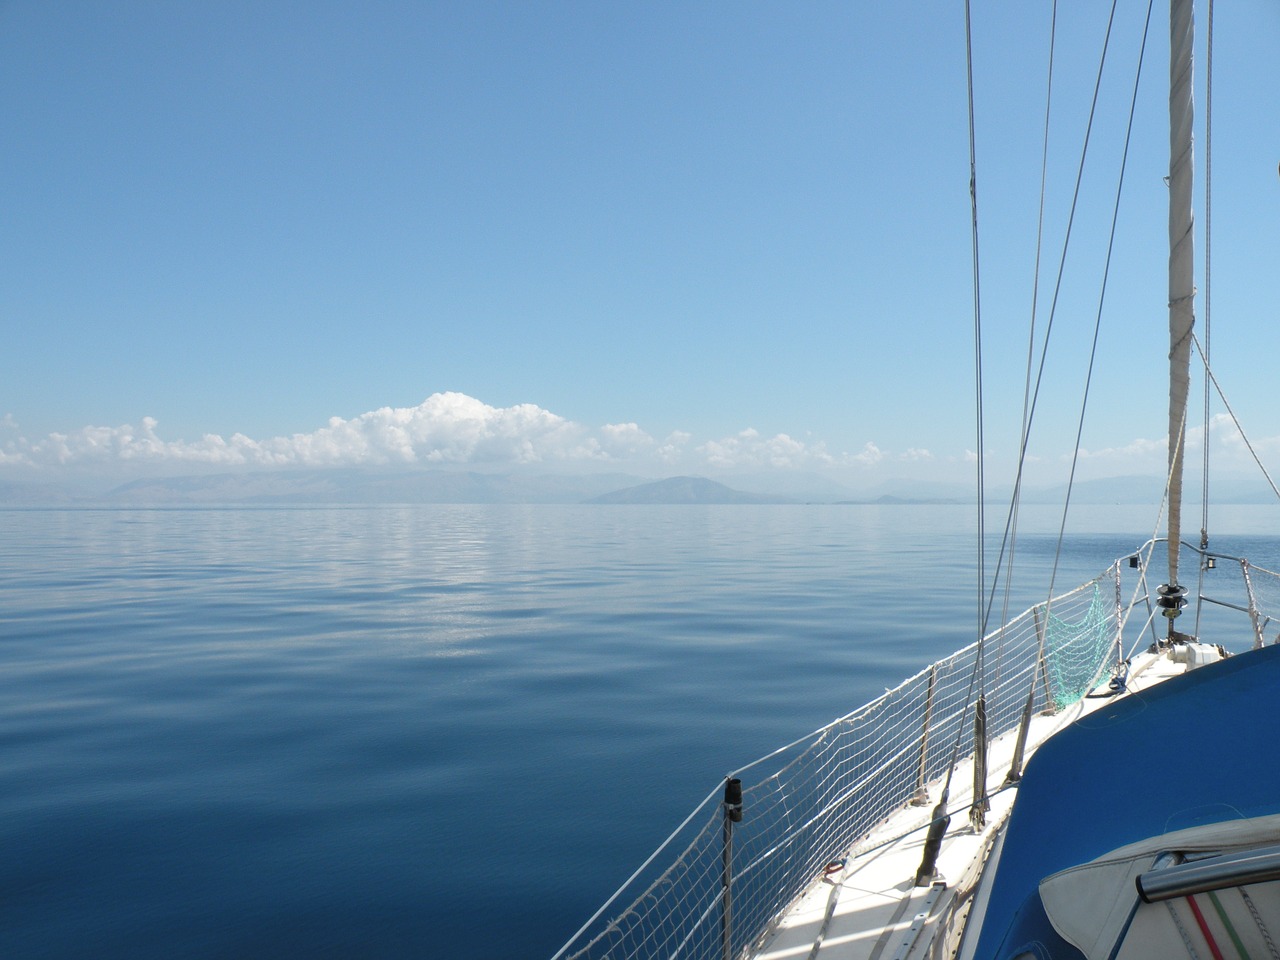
pixel 809 803
pixel 1236 587
pixel 1263 593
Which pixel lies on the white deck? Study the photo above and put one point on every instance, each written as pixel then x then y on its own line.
pixel 871 909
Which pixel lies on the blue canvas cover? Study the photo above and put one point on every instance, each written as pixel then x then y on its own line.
pixel 1197 749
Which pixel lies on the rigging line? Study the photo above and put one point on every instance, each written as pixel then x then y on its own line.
pixel 1208 300
pixel 1035 301
pixel 1208 372
pixel 977 332
pixel 1176 451
pixel 1102 295
pixel 1155 537
pixel 1257 919
pixel 639 870
pixel 1140 589
pixel 1148 623
pixel 978 660
pixel 1208 272
pixel 1053 307
pixel 1175 458
pixel 1182 931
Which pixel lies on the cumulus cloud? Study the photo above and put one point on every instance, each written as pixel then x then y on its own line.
pixel 624 440
pixel 1136 450
pixel 870 454
pixel 749 449
pixel 673 448
pixel 1232 449
pixel 446 428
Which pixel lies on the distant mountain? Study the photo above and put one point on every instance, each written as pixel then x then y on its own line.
pixel 685 490
pixel 530 485
pixel 21 493
pixel 1114 490
pixel 795 485
pixel 902 489
pixel 888 500
pixel 1109 490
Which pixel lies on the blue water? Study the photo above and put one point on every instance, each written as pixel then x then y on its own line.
pixel 421 731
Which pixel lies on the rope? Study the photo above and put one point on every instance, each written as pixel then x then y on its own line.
pixel 1140 590
pixel 639 870
pixel 832 899
pixel 1030 396
pixel 1182 931
pixel 1204 928
pixel 1148 624
pixel 1011 523
pixel 1102 295
pixel 1208 300
pixel 1171 501
pixel 1053 310
pixel 1208 371
pixel 977 331
pixel 979 657
pixel 1262 927
pixel 1006 543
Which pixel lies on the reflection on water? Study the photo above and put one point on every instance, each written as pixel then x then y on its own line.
pixel 337 732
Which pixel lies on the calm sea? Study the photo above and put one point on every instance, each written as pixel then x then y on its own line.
pixel 428 731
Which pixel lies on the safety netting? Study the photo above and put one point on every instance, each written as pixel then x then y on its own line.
pixel 1076 647
pixel 714 888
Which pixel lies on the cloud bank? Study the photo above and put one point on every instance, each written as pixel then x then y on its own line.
pixel 453 429
pixel 445 429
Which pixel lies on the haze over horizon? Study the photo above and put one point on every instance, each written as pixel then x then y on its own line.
pixel 455 431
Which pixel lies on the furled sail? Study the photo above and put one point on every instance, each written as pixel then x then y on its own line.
pixel 1181 252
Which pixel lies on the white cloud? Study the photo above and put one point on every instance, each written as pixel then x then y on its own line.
pixel 445 429
pixel 749 449
pixel 624 440
pixel 1139 450
pixel 1231 449
pixel 870 454
pixel 673 447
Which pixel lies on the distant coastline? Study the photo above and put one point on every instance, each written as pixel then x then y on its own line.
pixel 356 486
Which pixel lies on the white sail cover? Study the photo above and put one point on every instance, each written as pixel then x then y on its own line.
pixel 1181 255
pixel 1089 905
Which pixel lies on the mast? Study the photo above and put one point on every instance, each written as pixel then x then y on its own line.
pixel 1181 269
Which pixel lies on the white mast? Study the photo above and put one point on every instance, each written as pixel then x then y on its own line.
pixel 1181 266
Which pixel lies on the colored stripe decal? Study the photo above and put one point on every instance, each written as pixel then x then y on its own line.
pixel 1204 929
pixel 1226 922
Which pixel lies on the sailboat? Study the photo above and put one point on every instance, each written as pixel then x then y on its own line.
pixel 1087 780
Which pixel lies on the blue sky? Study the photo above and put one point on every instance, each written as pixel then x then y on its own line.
pixel 662 237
